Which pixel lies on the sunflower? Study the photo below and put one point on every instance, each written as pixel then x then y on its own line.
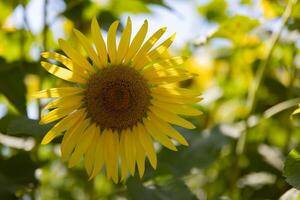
pixel 121 101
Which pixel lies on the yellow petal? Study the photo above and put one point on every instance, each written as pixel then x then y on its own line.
pixel 148 45
pixel 167 129
pixel 110 140
pixel 158 135
pixel 62 125
pixel 60 58
pixel 168 78
pixel 114 152
pixel 75 56
pixel 166 75
pixel 105 140
pixel 172 62
pixel 171 118
pixel 140 153
pixel 147 144
pixel 163 64
pixel 83 144
pixel 130 151
pixel 155 53
pixel 72 138
pixel 124 169
pixel 98 154
pixel 58 92
pixel 171 92
pixel 89 157
pixel 124 42
pixel 99 42
pixel 56 114
pixel 296 111
pixel 176 108
pixel 136 42
pixel 63 73
pixel 111 42
pixel 158 51
pixel 65 102
pixel 88 47
pixel 176 99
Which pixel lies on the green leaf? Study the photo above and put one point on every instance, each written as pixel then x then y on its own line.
pixel 157 2
pixel 106 18
pixel 215 10
pixel 173 189
pixel 17 173
pixel 135 6
pixel 5 121
pixel 12 84
pixel 292 169
pixel 281 107
pixel 294 24
pixel 204 149
pixel 296 11
pixel 25 126
pixel 7 8
pixel 246 2
pixel 273 8
pixel 236 28
pixel 75 9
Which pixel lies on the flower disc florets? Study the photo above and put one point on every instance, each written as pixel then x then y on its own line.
pixel 117 97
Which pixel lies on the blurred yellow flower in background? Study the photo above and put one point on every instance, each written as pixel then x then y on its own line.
pixel 203 75
pixel 271 8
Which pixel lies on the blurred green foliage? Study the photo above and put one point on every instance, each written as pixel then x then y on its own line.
pixel 233 154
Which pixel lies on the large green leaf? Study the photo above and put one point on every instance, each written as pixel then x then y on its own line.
pixel 204 149
pixel 236 28
pixel 7 8
pixel 173 189
pixel 135 6
pixel 25 126
pixel 292 168
pixel 17 174
pixel 215 10
pixel 5 121
pixel 12 84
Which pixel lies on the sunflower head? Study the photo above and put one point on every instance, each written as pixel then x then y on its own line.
pixel 123 99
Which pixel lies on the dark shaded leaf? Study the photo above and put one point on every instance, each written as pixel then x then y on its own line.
pixel 135 6
pixel 204 149
pixel 17 173
pixel 292 168
pixel 5 121
pixel 236 28
pixel 156 2
pixel 75 9
pixel 25 126
pixel 106 18
pixel 173 189
pixel 215 10
pixel 12 84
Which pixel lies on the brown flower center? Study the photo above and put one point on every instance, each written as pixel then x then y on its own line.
pixel 117 97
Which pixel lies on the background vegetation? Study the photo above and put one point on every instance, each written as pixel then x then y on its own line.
pixel 246 55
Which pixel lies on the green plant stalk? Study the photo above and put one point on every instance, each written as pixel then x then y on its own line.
pixel 44 48
pixel 252 95
pixel 292 77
